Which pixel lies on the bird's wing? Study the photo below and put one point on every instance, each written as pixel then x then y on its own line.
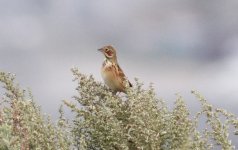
pixel 122 75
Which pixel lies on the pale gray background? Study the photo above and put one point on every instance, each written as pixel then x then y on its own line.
pixel 177 45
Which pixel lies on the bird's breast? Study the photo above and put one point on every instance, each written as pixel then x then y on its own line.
pixel 107 71
pixel 109 76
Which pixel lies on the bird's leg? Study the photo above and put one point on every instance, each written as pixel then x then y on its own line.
pixel 114 93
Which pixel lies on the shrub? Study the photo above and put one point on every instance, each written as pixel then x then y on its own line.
pixel 133 121
pixel 138 120
pixel 23 127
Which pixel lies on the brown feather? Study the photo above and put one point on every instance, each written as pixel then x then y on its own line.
pixel 122 75
pixel 112 74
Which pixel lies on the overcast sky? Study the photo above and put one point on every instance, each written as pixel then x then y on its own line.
pixel 177 45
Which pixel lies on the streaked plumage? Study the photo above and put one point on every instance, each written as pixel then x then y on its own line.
pixel 112 74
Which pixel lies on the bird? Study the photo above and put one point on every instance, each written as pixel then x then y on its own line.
pixel 111 72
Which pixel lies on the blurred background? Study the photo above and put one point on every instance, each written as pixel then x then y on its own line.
pixel 179 46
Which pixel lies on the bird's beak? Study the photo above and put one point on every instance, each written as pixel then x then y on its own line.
pixel 100 49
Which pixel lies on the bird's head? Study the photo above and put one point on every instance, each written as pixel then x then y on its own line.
pixel 109 52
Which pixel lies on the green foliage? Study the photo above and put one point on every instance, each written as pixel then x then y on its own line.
pixel 22 126
pixel 133 121
pixel 138 120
